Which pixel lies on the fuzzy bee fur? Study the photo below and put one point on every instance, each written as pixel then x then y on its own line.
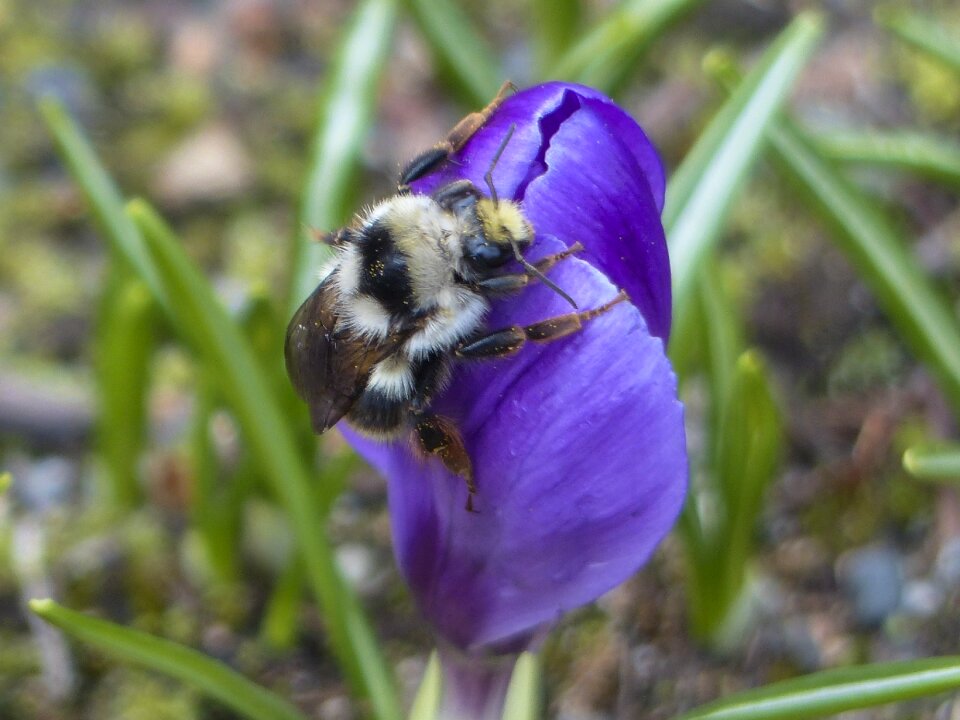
pixel 406 296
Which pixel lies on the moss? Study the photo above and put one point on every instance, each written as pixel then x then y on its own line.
pixel 870 360
pixel 128 694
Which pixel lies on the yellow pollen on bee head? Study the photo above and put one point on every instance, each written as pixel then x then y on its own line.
pixel 503 221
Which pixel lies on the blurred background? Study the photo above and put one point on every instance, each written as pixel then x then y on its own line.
pixel 208 109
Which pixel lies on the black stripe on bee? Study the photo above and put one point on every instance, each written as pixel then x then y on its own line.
pixel 384 273
pixel 375 412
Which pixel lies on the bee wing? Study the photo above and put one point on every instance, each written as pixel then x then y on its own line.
pixel 328 367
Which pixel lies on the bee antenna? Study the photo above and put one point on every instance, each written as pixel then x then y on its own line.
pixel 532 269
pixel 493 163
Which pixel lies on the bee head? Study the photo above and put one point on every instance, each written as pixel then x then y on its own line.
pixel 504 233
pixel 503 223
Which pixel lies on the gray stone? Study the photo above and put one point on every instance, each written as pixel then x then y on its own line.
pixel 872 579
pixel 948 563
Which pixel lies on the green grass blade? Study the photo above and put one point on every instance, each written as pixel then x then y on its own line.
pixel 721 326
pixel 605 54
pixel 102 194
pixel 427 700
pixel 893 274
pixel 702 190
pixel 127 338
pixel 222 346
pixel 749 442
pixel 835 691
pixel 462 52
pixel 555 25
pixel 922 33
pixel 523 701
pixel 281 616
pixel 346 110
pixel 933 462
pixel 933 157
pixel 185 664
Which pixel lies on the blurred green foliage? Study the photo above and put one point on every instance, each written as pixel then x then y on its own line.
pixel 226 493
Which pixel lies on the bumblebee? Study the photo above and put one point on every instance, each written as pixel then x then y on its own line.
pixel 406 295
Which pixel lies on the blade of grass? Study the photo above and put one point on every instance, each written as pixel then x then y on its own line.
pixel 701 192
pixel 212 513
pixel 102 195
pixel 523 699
pixel 835 691
pixel 922 33
pixel 280 618
pixel 723 334
pixel 748 443
pixel 555 25
pixel 461 50
pixel 350 636
pixel 211 676
pixel 427 699
pixel 346 108
pixel 933 462
pixel 607 52
pixel 246 390
pixel 880 256
pixel 933 157
pixel 126 340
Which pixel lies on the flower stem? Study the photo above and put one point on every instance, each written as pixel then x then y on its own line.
pixel 474 688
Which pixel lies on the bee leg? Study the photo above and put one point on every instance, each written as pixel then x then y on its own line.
pixel 457 195
pixel 512 282
pixel 438 436
pixel 426 162
pixel 507 341
pixel 334 239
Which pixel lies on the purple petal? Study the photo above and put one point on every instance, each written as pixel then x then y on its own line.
pixel 580 462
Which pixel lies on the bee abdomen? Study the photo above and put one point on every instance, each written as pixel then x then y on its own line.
pixel 381 408
pixel 377 414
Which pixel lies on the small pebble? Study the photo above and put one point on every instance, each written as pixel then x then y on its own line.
pixel 922 598
pixel 872 578
pixel 948 563
pixel 359 566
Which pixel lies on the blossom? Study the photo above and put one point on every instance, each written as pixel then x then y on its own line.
pixel 578 445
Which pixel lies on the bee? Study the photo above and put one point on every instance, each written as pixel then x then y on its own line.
pixel 405 297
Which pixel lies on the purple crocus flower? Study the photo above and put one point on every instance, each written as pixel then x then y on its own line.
pixel 578 445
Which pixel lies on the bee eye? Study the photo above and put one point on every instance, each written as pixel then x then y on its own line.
pixel 483 255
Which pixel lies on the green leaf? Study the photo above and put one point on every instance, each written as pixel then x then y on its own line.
pixel 126 340
pixel 346 109
pixel 210 676
pixel 880 256
pixel 748 448
pixel 203 321
pixel 461 50
pixel 523 701
pixel 923 33
pixel 723 333
pixel 933 462
pixel 427 700
pixel 102 195
pixel 835 691
pixel 246 390
pixel 555 25
pixel 281 616
pixel 702 190
pixel 6 481
pixel 606 54
pixel 933 157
